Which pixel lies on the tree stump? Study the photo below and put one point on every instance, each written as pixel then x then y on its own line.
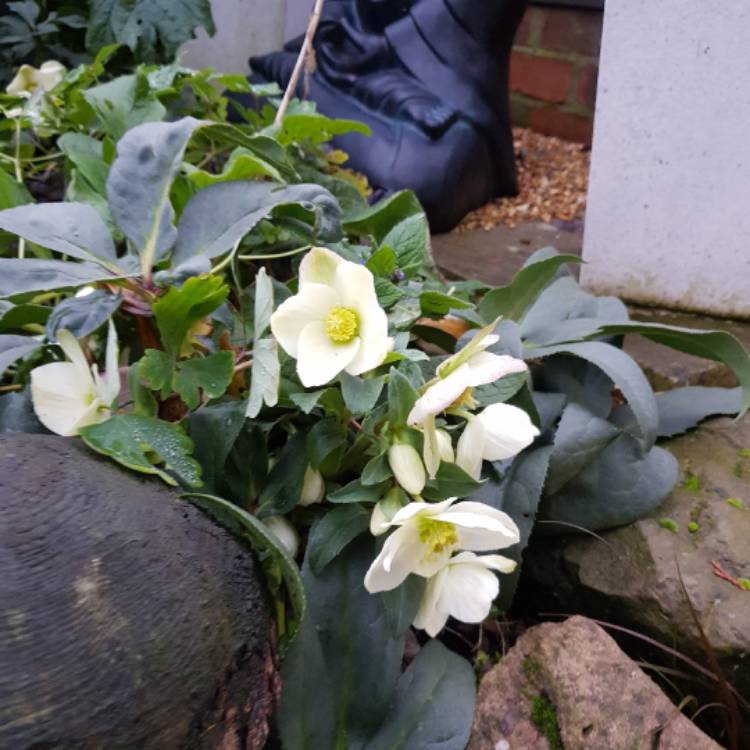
pixel 127 618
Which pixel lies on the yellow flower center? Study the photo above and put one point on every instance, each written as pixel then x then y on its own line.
pixel 437 536
pixel 342 325
pixel 464 400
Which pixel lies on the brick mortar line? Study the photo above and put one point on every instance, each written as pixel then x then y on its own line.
pixel 566 108
pixel 571 57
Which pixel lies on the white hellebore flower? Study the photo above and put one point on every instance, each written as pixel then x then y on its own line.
pixel 70 395
pixel 406 465
pixel 384 511
pixel 285 533
pixel 465 589
pixel 334 322
pixel 427 534
pixel 313 487
pixel 28 78
pixel 500 431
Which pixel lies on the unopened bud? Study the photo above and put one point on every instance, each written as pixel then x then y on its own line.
pixel 313 487
pixel 384 511
pixel 406 465
pixel 284 532
pixel 445 446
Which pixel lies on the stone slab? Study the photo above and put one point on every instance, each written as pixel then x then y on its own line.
pixel 569 685
pixel 495 256
pixel 634 576
pixel 667 219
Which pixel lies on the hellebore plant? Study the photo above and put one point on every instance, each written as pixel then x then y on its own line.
pixel 291 360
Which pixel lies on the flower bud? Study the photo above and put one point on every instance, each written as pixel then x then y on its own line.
pixel 284 532
pixel 445 446
pixel 384 511
pixel 406 465
pixel 313 487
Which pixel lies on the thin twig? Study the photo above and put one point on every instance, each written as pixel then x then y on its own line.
pixel 300 64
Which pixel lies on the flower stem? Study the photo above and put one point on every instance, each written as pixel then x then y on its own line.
pixel 272 256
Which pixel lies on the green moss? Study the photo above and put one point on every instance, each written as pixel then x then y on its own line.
pixel 745 583
pixel 692 482
pixel 693 527
pixel 669 525
pixel 545 719
pixel 736 503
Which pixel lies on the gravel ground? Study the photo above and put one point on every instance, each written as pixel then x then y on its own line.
pixel 553 178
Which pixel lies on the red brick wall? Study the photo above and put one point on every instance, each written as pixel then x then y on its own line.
pixel 553 71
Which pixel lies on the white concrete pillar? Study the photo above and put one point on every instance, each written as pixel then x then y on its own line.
pixel 243 28
pixel 668 218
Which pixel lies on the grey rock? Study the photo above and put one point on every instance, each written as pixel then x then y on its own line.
pixel 634 576
pixel 127 618
pixel 593 697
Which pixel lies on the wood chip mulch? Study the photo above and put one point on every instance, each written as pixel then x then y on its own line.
pixel 553 179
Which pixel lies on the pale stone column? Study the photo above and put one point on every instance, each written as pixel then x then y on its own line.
pixel 243 28
pixel 668 219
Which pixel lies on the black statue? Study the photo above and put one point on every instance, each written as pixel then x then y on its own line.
pixel 430 77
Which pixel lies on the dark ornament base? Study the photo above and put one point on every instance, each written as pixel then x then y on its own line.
pixel 430 78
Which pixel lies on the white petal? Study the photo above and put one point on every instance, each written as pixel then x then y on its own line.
pixel 284 532
pixel 292 315
pixel 50 74
pixel 319 267
pixel 313 487
pixel 431 448
pixel 440 395
pixel 69 344
pixel 319 360
pixel 445 446
pixel 379 521
pixel 110 387
pixel 406 465
pixel 494 562
pixel 429 618
pixel 468 592
pixel 412 510
pixel 471 448
pixel 472 515
pixel 485 367
pixel 356 286
pixel 396 560
pixel 508 430
pixel 62 399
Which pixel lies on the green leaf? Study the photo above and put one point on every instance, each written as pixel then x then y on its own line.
pixel 264 377
pixel 360 394
pixel 433 706
pixel 307 400
pixel 437 304
pixel 401 398
pixel 148 157
pixel 388 293
pixel 623 372
pixel 719 346
pixel 219 216
pixel 314 127
pixel 357 492
pixel 154 29
pixel 518 494
pixel 179 310
pixel 332 532
pixel 402 604
pixel 383 262
pixel 512 301
pixel 74 229
pixel 143 443
pixel 86 154
pixel 580 437
pixel 684 408
pixel 211 374
pixel 377 470
pixel 619 486
pixel 263 304
pixel 13 348
pixel 242 164
pixel 410 239
pixel 501 390
pixel 245 525
pixel 14 317
pixel 124 103
pixel 12 192
pixel 323 439
pixel 144 403
pixel 450 481
pixel 157 369
pixel 284 484
pixel 83 315
pixel 339 674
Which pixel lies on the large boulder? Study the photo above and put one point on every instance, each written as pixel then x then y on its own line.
pixel 642 575
pixel 127 618
pixel 569 685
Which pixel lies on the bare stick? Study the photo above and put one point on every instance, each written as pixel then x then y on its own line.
pixel 300 64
